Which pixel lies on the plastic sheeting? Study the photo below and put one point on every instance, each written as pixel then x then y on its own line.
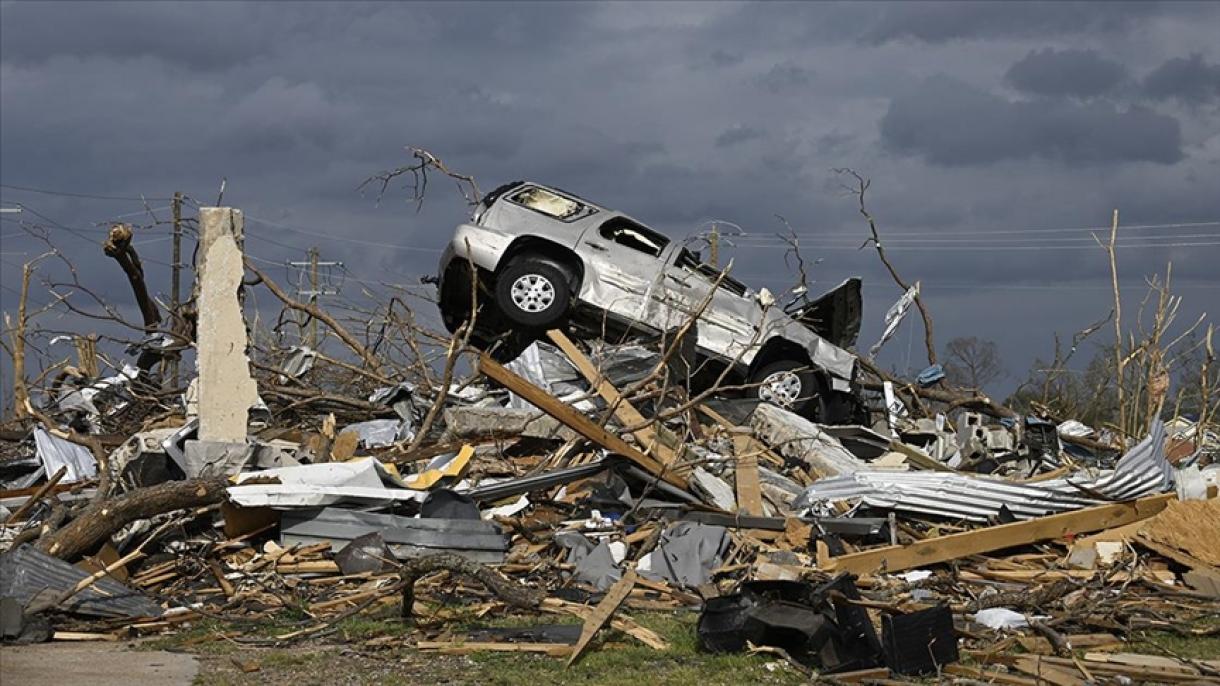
pixel 1142 471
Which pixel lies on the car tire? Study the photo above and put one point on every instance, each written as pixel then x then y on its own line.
pixel 533 293
pixel 792 385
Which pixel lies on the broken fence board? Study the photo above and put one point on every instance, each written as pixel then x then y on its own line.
pixel 953 546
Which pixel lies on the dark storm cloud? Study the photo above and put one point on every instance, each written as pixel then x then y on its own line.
pixel 175 32
pixel 938 22
pixel 737 134
pixel 1190 79
pixel 948 122
pixel 785 77
pixel 675 113
pixel 1080 73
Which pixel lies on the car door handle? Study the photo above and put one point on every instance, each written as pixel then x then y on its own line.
pixel 596 246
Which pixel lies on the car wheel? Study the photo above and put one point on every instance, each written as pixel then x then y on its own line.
pixel 533 293
pixel 791 385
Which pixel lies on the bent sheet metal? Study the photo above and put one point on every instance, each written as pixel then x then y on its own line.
pixel 1142 471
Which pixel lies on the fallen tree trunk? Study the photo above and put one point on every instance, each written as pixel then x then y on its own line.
pixel 102 518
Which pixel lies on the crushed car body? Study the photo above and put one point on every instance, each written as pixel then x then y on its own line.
pixel 543 257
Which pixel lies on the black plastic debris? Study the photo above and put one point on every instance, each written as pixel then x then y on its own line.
pixel 919 642
pixel 443 503
pixel 367 553
pixel 811 623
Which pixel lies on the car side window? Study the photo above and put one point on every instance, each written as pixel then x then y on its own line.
pixel 691 262
pixel 629 234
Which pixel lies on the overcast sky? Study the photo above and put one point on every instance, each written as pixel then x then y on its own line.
pixel 993 134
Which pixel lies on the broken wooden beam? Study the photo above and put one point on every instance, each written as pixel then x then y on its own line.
pixel 624 411
pixel 953 546
pixel 603 612
pixel 574 420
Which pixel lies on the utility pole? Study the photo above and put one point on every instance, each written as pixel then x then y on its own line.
pixel 321 282
pixel 313 295
pixel 713 243
pixel 175 286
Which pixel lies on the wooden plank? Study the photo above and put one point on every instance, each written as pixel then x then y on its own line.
pixel 953 546
pixel 919 458
pixel 749 490
pixel 624 411
pixel 465 648
pixel 1045 671
pixel 574 420
pixel 988 676
pixel 603 612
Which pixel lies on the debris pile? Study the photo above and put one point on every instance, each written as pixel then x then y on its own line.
pixel 583 479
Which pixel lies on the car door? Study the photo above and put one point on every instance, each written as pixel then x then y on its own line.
pixel 625 259
pixel 728 325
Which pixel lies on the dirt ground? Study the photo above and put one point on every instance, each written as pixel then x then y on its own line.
pixel 96 664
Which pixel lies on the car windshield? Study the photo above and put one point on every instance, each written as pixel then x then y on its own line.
pixel 549 203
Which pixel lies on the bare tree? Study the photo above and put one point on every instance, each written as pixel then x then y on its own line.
pixel 972 362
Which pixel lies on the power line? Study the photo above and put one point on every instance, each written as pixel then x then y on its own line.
pixel 69 194
pixel 997 248
pixel 980 231
pixel 999 242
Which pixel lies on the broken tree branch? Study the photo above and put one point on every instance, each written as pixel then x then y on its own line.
pixel 104 517
pixel 862 185
pixel 321 315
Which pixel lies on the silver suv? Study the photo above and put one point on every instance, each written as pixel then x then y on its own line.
pixel 543 257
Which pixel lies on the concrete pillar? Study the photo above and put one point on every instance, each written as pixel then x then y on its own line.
pixel 226 389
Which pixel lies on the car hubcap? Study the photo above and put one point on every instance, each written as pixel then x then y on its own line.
pixel 780 388
pixel 533 293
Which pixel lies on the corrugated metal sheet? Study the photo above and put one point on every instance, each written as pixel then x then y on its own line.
pixel 406 536
pixel 26 572
pixel 1142 471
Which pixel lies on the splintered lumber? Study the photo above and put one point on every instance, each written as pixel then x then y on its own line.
pixel 465 648
pixel 953 546
pixel 988 676
pixel 574 420
pixel 749 490
pixel 603 612
pixel 624 411
pixel 51 483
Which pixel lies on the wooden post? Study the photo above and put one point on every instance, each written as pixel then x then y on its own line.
pixel 313 296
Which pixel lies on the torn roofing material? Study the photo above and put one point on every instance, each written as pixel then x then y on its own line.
pixel 1142 471
pixel 406 536
pixel 27 572
pixel 314 485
